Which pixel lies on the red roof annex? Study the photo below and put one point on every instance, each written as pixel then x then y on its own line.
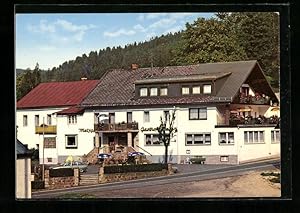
pixel 56 94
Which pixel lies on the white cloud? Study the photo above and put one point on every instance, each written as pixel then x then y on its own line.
pixel 141 17
pixel 174 29
pixel 150 35
pixel 180 15
pixel 61 31
pixel 47 48
pixel 119 33
pixel 155 15
pixel 139 28
pixel 165 22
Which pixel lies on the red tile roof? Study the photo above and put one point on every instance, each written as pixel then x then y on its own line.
pixel 56 94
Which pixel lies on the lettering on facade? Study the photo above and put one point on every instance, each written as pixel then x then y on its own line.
pixel 87 130
pixel 143 129
pixel 50 142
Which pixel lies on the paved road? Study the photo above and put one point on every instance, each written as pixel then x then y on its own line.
pixel 202 173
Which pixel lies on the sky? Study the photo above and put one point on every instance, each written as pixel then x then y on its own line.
pixel 52 39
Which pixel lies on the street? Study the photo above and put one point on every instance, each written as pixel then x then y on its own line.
pixel 167 186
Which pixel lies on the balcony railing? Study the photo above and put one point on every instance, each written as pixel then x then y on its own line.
pixel 249 120
pixel 256 99
pixel 47 129
pixel 116 127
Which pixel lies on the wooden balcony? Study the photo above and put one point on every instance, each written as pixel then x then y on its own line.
pixel 257 99
pixel 48 129
pixel 118 127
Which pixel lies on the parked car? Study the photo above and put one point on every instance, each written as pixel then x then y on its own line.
pixel 75 164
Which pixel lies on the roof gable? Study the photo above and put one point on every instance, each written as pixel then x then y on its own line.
pixel 54 94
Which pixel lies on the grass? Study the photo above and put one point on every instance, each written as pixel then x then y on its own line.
pixel 76 196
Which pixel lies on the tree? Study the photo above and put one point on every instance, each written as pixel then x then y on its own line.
pixel 166 131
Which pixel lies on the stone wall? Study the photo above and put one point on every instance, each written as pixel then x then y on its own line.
pixel 61 182
pixel 106 178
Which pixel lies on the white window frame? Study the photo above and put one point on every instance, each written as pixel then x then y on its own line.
pixel 196 90
pixel 250 139
pixel 198 117
pixel 72 119
pixel 151 140
pixel 224 158
pixel 153 91
pixel 37 120
pixel 144 92
pixel 185 90
pixel 163 91
pixel 49 119
pixel 146 116
pixel 204 134
pixel 227 141
pixel 275 139
pixel 25 120
pixel 72 146
pixel 205 89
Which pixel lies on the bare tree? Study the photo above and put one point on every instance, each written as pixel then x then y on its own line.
pixel 166 131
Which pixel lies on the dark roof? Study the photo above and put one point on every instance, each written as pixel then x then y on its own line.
pixel 117 87
pixel 74 110
pixel 22 150
pixel 55 94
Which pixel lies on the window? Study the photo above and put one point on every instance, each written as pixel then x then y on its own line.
pixel 49 121
pixel 111 118
pixel 185 90
pixel 224 158
pixel 198 139
pixel 207 89
pixel 36 120
pixel 166 114
pixel 25 120
pixel 72 119
pixel 129 117
pixel 146 116
pixel 152 139
pixel 49 160
pixel 196 90
pixel 143 92
pixel 226 138
pixel 163 91
pixel 275 136
pixel 198 114
pixel 71 141
pixel 153 91
pixel 254 137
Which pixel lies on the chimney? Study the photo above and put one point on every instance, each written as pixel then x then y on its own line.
pixel 134 66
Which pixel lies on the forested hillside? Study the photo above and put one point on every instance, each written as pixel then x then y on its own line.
pixel 228 37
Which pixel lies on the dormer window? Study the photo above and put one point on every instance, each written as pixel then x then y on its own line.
pixel 143 92
pixel 153 91
pixel 207 89
pixel 185 90
pixel 196 90
pixel 163 91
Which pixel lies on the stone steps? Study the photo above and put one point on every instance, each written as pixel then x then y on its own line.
pixel 89 179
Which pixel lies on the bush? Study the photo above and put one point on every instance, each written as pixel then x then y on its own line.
pixel 63 172
pixel 37 184
pixel 135 168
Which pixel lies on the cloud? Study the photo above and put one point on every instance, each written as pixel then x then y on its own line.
pixel 47 48
pixel 150 35
pixel 139 28
pixel 61 31
pixel 173 29
pixel 163 23
pixel 155 15
pixel 141 17
pixel 68 26
pixel 180 15
pixel 119 33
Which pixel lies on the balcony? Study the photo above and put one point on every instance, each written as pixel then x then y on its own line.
pixel 47 129
pixel 250 121
pixel 118 127
pixel 256 99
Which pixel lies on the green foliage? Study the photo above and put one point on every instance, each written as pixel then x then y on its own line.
pixel 134 168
